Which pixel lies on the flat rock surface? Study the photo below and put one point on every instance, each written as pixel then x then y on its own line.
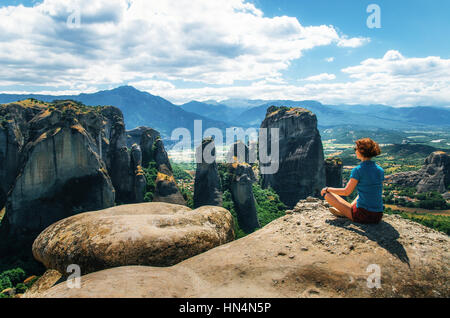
pixel 310 253
pixel 154 234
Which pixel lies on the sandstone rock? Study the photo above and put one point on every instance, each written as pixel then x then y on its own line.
pixel 434 175
pixel 332 257
pixel 166 186
pixel 153 150
pixel 148 139
pixel 156 234
pixel 301 164
pixel 14 131
pixel 243 198
pixel 167 190
pixel 140 182
pixel 241 152
pixel 207 187
pixel 64 158
pixel 333 172
pixel 62 176
pixel 46 281
pixel 134 136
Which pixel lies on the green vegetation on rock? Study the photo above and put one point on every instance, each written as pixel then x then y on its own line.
pixel 437 222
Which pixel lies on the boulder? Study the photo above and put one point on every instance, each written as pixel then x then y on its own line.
pixel 207 187
pixel 309 253
pixel 434 175
pixel 301 170
pixel 152 234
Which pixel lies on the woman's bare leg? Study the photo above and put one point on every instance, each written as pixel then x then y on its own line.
pixel 339 203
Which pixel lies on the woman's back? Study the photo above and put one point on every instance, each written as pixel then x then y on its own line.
pixel 370 178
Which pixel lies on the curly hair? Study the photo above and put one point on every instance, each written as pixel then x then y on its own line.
pixel 368 148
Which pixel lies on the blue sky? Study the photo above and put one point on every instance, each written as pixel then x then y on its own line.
pixel 258 49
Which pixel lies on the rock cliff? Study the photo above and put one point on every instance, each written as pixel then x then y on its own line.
pixel 153 151
pixel 207 187
pixel 434 175
pixel 242 196
pixel 63 158
pixel 310 253
pixel 333 172
pixel 301 160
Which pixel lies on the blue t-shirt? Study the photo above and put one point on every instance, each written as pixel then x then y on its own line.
pixel 370 186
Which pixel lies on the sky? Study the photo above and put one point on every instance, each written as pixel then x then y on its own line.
pixel 185 50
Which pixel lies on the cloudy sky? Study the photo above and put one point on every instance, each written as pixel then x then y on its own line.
pixel 187 50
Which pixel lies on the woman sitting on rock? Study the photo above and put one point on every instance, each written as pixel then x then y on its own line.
pixel 368 178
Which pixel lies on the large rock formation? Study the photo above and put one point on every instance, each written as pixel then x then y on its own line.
pixel 61 159
pixel 152 234
pixel 166 186
pixel 62 177
pixel 310 253
pixel 153 151
pixel 241 152
pixel 333 172
pixel 301 170
pixel 242 196
pixel 207 187
pixel 14 133
pixel 434 175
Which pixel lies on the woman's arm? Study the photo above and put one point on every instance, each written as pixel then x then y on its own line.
pixel 351 185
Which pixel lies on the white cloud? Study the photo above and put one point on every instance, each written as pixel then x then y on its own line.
pixel 344 41
pixel 321 77
pixel 213 42
pixel 330 59
pixel 392 80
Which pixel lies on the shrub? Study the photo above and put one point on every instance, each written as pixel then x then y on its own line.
pixel 15 276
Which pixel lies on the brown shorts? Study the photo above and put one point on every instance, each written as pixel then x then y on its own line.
pixel 364 216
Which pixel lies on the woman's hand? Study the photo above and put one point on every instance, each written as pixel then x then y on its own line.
pixel 324 191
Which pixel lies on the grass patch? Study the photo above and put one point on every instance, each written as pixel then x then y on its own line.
pixel 440 223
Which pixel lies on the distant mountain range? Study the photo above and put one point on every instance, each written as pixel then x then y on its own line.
pixel 139 109
pixel 143 109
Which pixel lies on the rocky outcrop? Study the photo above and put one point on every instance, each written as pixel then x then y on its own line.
pixel 301 170
pixel 166 186
pixel 152 234
pixel 62 158
pixel 242 196
pixel 434 175
pixel 310 253
pixel 240 152
pixel 333 172
pixel 207 187
pixel 14 133
pixel 135 136
pixel 140 182
pixel 153 151
pixel 62 177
